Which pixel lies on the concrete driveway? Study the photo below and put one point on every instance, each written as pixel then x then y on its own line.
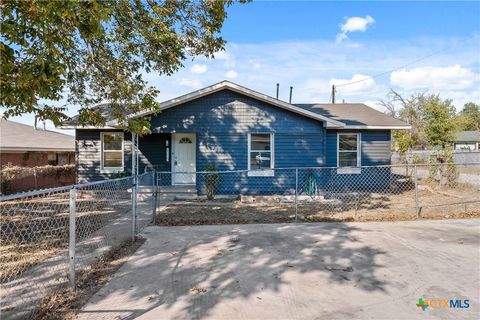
pixel 297 271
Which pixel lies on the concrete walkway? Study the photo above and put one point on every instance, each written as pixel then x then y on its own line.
pixel 297 271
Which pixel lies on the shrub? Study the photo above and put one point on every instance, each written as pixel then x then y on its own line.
pixel 442 167
pixel 212 180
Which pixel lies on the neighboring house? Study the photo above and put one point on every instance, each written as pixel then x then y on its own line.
pixel 25 146
pixel 240 129
pixel 467 140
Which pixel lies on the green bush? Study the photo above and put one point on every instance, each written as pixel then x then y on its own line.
pixel 442 167
pixel 212 180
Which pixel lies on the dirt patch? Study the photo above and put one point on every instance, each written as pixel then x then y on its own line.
pixel 434 203
pixel 65 304
pixel 185 214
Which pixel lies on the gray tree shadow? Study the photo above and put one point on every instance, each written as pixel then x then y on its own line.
pixel 243 264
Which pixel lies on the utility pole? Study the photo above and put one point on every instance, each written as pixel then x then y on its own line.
pixel 333 94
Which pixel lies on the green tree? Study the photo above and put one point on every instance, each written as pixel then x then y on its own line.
pixel 469 118
pixel 97 50
pixel 438 116
pixel 410 111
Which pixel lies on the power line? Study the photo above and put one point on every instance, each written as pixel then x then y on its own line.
pixel 395 69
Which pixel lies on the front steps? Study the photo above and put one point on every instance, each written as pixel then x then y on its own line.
pixel 177 193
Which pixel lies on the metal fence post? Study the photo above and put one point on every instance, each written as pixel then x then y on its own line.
pixel 134 207
pixel 154 205
pixel 417 206
pixel 296 194
pixel 35 178
pixel 72 237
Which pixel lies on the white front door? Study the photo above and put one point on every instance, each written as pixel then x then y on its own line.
pixel 183 158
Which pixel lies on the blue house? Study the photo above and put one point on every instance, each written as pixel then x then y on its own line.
pixel 254 136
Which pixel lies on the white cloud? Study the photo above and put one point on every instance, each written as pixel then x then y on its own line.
pixel 198 68
pixel 255 64
pixel 226 57
pixel 364 84
pixel 446 78
pixel 353 24
pixel 232 74
pixel 222 55
pixel 192 83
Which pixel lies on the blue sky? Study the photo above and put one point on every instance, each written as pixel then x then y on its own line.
pixel 419 46
pixel 266 21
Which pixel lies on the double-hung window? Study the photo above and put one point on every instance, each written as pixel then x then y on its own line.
pixel 348 147
pixel 112 151
pixel 260 154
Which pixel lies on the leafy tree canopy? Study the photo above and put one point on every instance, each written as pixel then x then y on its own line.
pixel 438 116
pixel 432 120
pixel 96 50
pixel 469 118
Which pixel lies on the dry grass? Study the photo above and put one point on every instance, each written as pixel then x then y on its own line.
pixel 65 304
pixel 435 203
pixel 17 258
pixel 33 230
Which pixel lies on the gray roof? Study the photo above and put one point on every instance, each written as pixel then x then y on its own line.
pixel 353 114
pixel 16 136
pixel 348 115
pixel 468 136
pixel 105 111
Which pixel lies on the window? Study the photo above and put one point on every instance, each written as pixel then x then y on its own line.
pixel 260 154
pixel 112 151
pixel 185 140
pixel 52 159
pixel 63 159
pixel 348 150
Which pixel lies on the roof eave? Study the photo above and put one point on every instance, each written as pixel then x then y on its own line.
pixel 240 89
pixel 374 127
pixel 35 149
pixel 71 126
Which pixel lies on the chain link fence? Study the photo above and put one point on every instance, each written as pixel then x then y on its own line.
pixel 319 194
pixel 49 236
pixel 424 157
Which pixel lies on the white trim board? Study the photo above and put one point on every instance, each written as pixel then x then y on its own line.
pixel 242 90
pixel 348 127
pixel 359 150
pixel 112 169
pixel 330 123
pixel 264 172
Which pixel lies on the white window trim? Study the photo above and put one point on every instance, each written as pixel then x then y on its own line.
pixel 111 169
pixel 350 170
pixel 262 172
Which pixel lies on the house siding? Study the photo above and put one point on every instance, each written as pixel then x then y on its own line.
pixel 88 149
pixel 375 147
pixel 151 155
pixel 375 151
pixel 222 122
pixel 230 112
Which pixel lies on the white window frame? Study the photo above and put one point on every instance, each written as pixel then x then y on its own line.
pixel 104 169
pixel 350 170
pixel 262 172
